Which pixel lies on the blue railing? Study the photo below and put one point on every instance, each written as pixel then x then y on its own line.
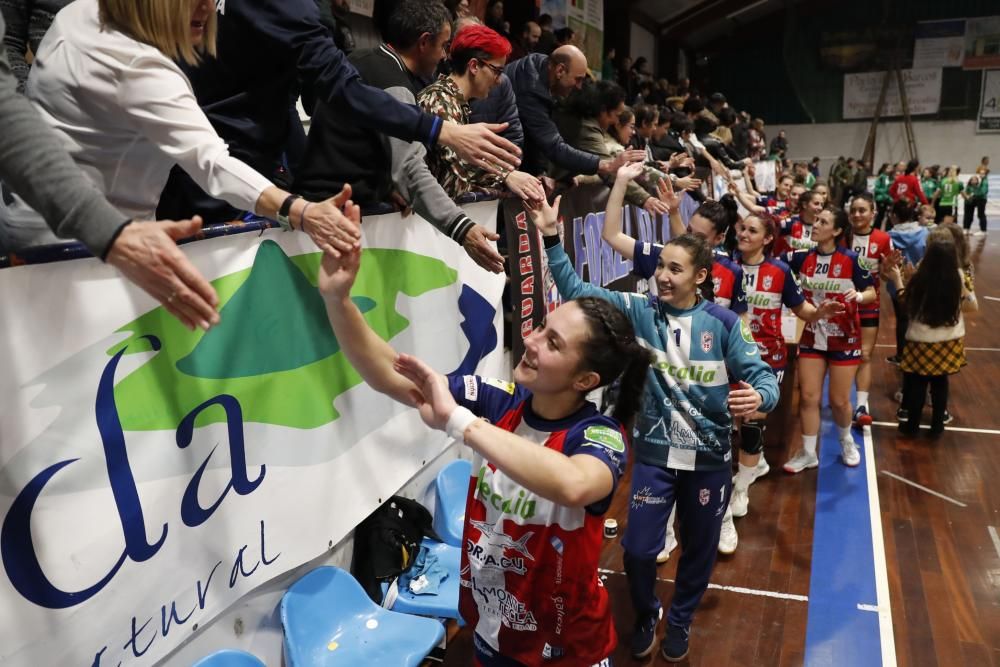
pixel 61 252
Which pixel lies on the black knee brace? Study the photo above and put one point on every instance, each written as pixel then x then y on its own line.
pixel 752 437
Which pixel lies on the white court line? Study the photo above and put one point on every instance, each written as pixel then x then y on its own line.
pixel 991 298
pixel 924 488
pixel 995 538
pixel 883 605
pixel 960 429
pixel 731 589
pixel 967 349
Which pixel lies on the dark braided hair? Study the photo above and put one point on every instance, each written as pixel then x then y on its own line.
pixel 611 350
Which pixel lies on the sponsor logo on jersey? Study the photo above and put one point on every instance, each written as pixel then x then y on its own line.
pixel 606 437
pixel 703 497
pixel 746 333
pixel 716 284
pixel 873 248
pixel 768 281
pixel 762 300
pixel 501 385
pixel 837 268
pixel 501 603
pixel 495 537
pixel 489 561
pixel 471 388
pixel 693 373
pixel 522 506
pixel 707 340
pixel 644 496
pixel 548 651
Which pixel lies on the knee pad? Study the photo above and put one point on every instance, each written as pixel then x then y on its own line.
pixel 752 437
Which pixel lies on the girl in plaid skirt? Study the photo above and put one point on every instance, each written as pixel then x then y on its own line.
pixel 933 300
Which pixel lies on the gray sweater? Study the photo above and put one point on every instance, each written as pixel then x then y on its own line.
pixel 34 164
pixel 27 22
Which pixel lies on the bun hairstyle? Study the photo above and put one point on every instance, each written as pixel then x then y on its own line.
pixel 612 350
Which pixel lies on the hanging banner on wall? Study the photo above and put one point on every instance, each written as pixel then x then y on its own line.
pixel 532 290
pixel 586 18
pixel 982 43
pixel 988 119
pixel 152 476
pixel 363 7
pixel 861 93
pixel 939 44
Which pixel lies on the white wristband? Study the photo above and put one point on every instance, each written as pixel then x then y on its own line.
pixel 458 421
pixel 859 296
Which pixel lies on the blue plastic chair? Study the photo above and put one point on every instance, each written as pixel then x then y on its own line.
pixel 451 490
pixel 230 658
pixel 444 604
pixel 328 619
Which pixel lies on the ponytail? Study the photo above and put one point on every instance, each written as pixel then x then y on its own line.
pixel 612 351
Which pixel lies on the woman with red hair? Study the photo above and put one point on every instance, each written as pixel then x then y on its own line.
pixel 477 58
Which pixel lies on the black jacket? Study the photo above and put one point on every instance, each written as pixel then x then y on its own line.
pixel 500 107
pixel 265 49
pixel 542 141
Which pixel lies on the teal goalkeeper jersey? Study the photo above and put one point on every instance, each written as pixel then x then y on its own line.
pixel 684 422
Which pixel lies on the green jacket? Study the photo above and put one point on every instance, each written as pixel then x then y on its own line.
pixel 881 188
pixel 977 191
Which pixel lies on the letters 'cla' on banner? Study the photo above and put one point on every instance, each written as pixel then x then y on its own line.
pixel 988 119
pixel 152 476
pixel 532 290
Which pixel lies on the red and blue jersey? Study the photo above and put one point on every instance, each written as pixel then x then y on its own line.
pixel 727 276
pixel 871 248
pixel 796 235
pixel 831 277
pixel 768 286
pixel 529 586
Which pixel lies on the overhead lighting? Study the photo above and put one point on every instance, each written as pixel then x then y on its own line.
pixel 746 9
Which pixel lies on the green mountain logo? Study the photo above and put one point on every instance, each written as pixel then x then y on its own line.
pixel 274 349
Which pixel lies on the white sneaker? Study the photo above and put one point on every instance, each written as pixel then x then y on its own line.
pixel 850 453
pixel 670 545
pixel 760 470
pixel 728 539
pixel 739 503
pixel 800 462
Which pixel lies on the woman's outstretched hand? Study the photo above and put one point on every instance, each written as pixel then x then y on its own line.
pixel 436 402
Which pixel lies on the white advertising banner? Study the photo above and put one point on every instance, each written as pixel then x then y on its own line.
pixel 861 93
pixel 988 119
pixel 939 44
pixel 151 476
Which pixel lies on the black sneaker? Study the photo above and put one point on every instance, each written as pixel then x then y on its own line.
pixel 947 418
pixel 902 414
pixel 894 359
pixel 644 637
pixel 675 644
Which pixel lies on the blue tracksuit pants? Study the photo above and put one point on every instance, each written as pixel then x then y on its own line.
pixel 701 497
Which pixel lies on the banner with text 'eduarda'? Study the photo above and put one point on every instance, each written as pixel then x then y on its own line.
pixel 581 211
pixel 152 476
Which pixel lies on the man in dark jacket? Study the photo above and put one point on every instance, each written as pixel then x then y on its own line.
pixel 379 168
pixel 537 80
pixel 265 49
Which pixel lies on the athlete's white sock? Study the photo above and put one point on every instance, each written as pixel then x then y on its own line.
pixel 845 432
pixel 809 443
pixel 744 477
pixel 862 399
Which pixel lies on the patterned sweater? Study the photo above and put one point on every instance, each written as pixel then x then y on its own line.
pixel 27 22
pixel 457 177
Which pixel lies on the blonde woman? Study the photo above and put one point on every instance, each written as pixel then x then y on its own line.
pixel 105 80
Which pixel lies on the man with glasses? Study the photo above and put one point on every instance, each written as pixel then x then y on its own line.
pixel 538 80
pixel 477 57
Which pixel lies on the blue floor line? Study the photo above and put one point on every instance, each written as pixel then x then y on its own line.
pixel 843 570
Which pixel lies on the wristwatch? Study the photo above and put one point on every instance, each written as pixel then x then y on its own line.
pixel 286 208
